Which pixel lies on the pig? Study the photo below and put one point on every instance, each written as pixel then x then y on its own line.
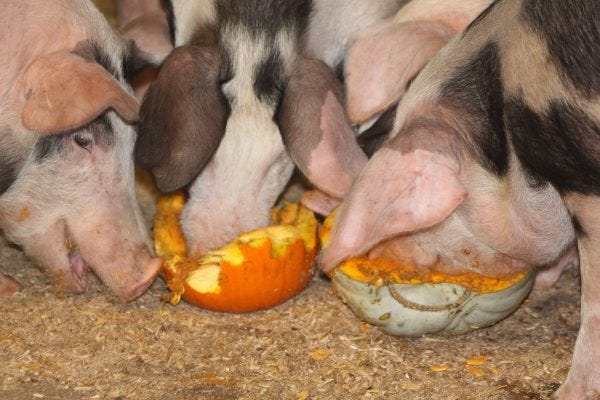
pixel 67 194
pixel 493 164
pixel 235 106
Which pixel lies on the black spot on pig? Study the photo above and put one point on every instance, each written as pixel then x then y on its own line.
pixel 572 32
pixel 339 71
pixel 266 16
pixel 560 146
pixel 91 51
pixel 56 145
pixel 134 61
pixel 268 79
pixel 48 147
pixel 168 6
pixel 374 137
pixel 475 93
pixel 8 172
pixel 579 231
pixel 481 16
pixel 102 58
pixel 103 132
pixel 205 35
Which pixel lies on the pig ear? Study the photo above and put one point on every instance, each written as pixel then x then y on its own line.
pixel 382 61
pixel 395 194
pixel 183 117
pixel 319 202
pixel 63 91
pixel 151 35
pixel 315 128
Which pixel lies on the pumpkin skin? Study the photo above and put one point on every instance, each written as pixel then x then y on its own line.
pixel 256 271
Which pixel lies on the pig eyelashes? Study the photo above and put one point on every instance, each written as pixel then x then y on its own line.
pixel 183 117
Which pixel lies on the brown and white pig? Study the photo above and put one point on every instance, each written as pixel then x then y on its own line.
pixel 493 165
pixel 67 193
pixel 233 105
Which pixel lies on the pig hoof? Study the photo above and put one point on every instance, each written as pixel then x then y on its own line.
pixel 8 286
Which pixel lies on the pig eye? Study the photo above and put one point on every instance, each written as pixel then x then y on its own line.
pixel 83 141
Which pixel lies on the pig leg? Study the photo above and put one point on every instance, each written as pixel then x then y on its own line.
pixel 583 380
pixel 8 286
pixel 547 277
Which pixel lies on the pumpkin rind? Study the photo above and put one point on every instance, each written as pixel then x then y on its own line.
pixel 256 271
pixel 404 301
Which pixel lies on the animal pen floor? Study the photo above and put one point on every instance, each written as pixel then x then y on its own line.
pixel 55 346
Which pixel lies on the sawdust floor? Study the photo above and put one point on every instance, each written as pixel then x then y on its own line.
pixel 91 346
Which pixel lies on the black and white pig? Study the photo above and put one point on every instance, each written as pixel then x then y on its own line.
pixel 494 161
pixel 233 105
pixel 67 194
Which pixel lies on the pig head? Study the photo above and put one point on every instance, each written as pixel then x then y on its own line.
pixel 67 195
pixel 493 166
pixel 233 109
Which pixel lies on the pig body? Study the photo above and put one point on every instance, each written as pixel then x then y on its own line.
pixel 493 164
pixel 235 104
pixel 67 191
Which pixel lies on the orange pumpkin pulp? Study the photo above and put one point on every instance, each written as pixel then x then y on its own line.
pixel 256 271
pixel 380 271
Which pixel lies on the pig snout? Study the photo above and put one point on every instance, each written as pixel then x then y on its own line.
pixel 129 281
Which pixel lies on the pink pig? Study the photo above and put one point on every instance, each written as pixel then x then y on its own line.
pixel 67 194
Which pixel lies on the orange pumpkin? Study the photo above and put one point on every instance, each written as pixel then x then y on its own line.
pixel 256 271
pixel 379 272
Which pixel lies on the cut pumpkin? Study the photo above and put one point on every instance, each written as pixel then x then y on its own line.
pixel 256 271
pixel 379 272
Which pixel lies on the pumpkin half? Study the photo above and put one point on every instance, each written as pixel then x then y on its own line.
pixel 256 271
pixel 406 301
pixel 381 271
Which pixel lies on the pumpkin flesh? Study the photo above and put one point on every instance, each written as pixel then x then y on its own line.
pixel 256 271
pixel 379 271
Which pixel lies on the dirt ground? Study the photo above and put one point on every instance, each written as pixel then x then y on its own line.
pixel 56 346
